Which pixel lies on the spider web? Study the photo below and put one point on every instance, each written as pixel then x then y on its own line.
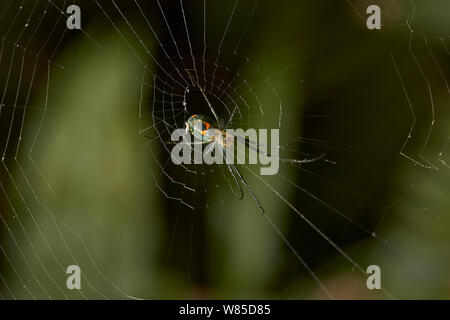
pixel 381 118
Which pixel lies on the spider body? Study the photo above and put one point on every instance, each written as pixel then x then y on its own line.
pixel 205 130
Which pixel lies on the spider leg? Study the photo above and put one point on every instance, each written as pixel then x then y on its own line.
pixel 241 192
pixel 175 142
pixel 303 161
pixel 230 120
pixel 205 96
pixel 241 178
pixel 237 174
pixel 251 145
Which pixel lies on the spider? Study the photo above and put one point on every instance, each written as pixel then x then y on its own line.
pixel 207 131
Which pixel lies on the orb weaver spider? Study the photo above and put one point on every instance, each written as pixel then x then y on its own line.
pixel 204 129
